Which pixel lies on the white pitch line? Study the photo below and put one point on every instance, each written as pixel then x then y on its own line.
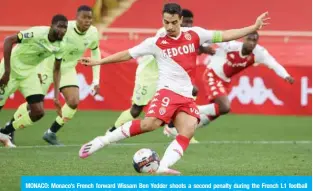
pixel 201 143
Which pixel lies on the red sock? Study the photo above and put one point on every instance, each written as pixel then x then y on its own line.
pixel 211 118
pixel 182 141
pixel 217 110
pixel 135 128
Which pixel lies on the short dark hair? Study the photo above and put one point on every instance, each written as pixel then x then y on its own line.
pixel 172 8
pixel 57 18
pixel 84 8
pixel 187 13
pixel 255 33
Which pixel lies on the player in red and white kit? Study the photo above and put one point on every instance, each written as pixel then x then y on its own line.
pixel 175 52
pixel 230 59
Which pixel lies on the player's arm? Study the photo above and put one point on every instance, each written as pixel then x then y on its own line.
pixel 57 77
pixel 142 49
pixel 114 58
pixel 229 35
pixel 7 49
pixel 206 49
pixel 95 55
pixel 234 34
pixel 56 82
pixel 264 57
pixel 21 37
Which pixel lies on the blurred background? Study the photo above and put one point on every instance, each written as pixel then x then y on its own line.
pixel 125 23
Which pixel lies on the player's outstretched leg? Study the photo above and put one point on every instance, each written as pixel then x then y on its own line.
pixel 23 109
pixel 169 130
pixel 126 116
pixel 71 95
pixel 208 113
pixel 3 137
pixel 129 129
pixel 36 112
pixel 186 125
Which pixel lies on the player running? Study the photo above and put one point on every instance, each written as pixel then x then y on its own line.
pixel 147 77
pixel 80 36
pixel 18 69
pixel 175 52
pixel 230 59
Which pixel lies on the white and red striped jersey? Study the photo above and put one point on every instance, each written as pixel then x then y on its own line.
pixel 175 56
pixel 228 60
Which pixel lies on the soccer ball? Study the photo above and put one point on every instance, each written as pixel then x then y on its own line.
pixel 146 160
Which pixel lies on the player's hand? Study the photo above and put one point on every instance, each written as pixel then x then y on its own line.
pixel 262 20
pixel 207 50
pixel 289 79
pixel 95 89
pixel 88 61
pixel 58 106
pixel 4 80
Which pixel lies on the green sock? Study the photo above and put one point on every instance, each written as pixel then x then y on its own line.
pixel 22 122
pixel 67 114
pixel 123 118
pixel 21 110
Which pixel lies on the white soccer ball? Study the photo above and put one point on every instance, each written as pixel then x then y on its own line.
pixel 146 160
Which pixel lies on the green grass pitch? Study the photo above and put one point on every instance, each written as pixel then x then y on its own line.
pixel 232 145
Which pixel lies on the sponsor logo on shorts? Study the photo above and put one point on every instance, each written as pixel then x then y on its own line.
pixel 194 110
pixel 162 110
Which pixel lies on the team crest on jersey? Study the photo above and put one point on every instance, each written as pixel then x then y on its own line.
pixel 28 35
pixel 232 56
pixel 187 36
pixel 162 110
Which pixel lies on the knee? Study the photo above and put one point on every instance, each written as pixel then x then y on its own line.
pixel 150 124
pixel 189 130
pixel 135 111
pixel 224 107
pixel 73 102
pixel 37 113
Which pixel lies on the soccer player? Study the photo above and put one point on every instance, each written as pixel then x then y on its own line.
pixel 80 36
pixel 175 52
pixel 18 69
pixel 147 77
pixel 230 59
